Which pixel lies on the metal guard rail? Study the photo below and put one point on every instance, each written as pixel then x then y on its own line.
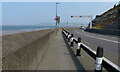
pixel 107 64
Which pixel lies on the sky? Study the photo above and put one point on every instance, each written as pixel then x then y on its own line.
pixel 43 13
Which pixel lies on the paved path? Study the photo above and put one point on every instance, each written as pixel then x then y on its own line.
pixel 58 56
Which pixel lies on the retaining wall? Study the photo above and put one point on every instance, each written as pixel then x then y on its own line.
pixel 105 31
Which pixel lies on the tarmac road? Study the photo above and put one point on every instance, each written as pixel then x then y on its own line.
pixel 109 43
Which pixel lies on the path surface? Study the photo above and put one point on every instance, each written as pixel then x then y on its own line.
pixel 58 56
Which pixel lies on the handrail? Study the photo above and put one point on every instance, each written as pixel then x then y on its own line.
pixel 100 60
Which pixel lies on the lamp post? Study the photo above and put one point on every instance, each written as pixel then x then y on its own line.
pixel 67 20
pixel 56 13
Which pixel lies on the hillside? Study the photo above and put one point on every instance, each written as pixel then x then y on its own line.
pixel 108 20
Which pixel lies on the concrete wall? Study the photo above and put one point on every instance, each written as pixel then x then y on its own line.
pixel 24 51
pixel 104 31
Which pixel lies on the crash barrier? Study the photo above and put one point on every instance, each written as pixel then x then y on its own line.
pixel 105 31
pixel 100 60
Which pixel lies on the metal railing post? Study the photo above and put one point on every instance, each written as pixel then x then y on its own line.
pixel 99 59
pixel 71 40
pixel 78 51
pixel 66 34
pixel 68 37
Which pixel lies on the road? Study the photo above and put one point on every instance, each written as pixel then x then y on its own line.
pixel 110 44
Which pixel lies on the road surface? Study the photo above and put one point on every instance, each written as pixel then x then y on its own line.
pixel 109 43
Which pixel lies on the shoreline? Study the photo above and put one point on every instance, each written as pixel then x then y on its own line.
pixel 9 32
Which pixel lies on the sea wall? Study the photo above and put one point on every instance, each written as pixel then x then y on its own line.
pixel 24 51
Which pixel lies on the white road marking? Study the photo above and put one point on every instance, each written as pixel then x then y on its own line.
pixel 98 37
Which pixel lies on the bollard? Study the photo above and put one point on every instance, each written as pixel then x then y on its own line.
pixel 66 34
pixel 99 59
pixel 63 33
pixel 71 40
pixel 78 51
pixel 68 37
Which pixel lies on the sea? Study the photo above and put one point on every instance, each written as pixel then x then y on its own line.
pixel 31 27
pixel 5 30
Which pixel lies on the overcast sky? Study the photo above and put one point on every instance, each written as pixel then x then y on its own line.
pixel 43 13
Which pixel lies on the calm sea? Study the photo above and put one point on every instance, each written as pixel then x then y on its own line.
pixel 25 27
pixel 5 30
pixel 31 27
